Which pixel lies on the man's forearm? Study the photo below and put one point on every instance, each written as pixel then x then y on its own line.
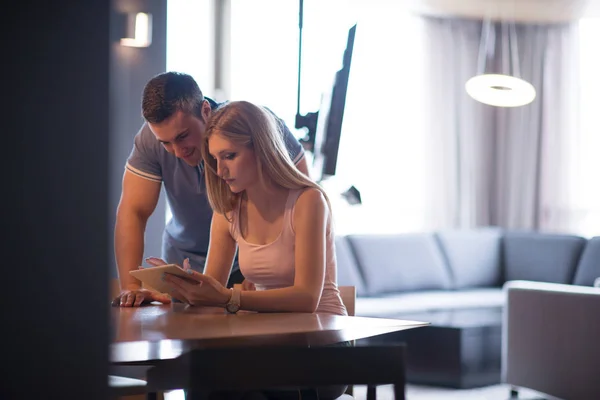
pixel 129 248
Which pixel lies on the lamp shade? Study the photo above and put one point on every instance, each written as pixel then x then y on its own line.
pixel 498 82
pixel 500 90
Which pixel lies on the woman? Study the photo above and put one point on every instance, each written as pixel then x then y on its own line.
pixel 278 218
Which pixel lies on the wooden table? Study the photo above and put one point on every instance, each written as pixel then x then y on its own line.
pixel 148 334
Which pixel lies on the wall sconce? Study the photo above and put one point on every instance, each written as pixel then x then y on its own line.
pixel 138 30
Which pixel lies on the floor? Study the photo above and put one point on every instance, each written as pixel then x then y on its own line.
pixel 413 392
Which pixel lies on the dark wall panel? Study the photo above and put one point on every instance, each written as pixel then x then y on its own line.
pixel 55 89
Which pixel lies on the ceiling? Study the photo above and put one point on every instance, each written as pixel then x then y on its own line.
pixel 541 11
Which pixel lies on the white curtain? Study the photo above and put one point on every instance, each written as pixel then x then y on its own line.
pixel 508 167
pixel 459 130
pixel 585 210
pixel 560 132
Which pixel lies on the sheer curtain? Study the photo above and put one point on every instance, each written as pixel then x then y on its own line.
pixel 536 142
pixel 561 133
pixel 585 210
pixel 509 167
pixel 460 131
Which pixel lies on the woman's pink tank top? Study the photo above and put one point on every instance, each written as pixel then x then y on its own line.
pixel 272 266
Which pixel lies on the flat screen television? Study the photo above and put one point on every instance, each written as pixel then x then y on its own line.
pixel 330 117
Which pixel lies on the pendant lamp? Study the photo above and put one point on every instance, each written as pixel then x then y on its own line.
pixel 498 81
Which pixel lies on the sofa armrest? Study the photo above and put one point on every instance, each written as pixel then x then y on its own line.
pixel 551 338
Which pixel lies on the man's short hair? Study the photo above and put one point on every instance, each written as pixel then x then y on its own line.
pixel 169 92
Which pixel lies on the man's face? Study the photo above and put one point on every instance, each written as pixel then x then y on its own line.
pixel 181 135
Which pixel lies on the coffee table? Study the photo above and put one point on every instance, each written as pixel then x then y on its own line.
pixel 460 349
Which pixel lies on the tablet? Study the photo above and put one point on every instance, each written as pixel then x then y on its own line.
pixel 152 276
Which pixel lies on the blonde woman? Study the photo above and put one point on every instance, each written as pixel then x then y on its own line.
pixel 279 220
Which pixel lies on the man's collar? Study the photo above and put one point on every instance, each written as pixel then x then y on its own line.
pixel 213 104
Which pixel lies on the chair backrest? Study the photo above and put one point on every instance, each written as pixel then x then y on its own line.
pixel 348 294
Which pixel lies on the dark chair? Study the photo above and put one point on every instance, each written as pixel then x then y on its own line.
pixel 256 368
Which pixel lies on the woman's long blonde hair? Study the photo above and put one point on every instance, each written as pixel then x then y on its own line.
pixel 244 123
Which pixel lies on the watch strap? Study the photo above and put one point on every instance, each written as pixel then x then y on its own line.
pixel 233 305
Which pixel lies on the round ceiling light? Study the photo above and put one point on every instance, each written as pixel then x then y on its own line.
pixel 500 90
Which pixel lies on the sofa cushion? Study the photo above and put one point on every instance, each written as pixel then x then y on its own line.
pixel 405 305
pixel 543 257
pixel 347 270
pixel 473 256
pixel 588 268
pixel 397 263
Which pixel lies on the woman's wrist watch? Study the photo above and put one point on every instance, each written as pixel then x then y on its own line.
pixel 233 305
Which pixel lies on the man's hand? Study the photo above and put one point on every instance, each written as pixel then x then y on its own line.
pixel 137 297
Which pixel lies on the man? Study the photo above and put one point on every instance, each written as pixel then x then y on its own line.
pixel 167 150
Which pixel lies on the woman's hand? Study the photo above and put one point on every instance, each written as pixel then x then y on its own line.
pixel 157 262
pixel 203 290
pixel 247 285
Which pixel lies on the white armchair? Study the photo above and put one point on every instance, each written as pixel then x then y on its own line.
pixel 551 339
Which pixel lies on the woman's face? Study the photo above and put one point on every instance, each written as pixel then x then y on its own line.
pixel 236 164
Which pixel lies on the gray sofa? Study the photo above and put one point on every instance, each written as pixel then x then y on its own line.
pixel 455 279
pixel 404 274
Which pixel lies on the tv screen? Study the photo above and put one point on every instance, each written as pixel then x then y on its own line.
pixel 330 117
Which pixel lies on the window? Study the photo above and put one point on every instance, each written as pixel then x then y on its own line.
pixel 382 147
pixel 264 52
pixel 189 45
pixel 190 40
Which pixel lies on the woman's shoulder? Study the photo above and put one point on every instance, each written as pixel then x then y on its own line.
pixel 223 219
pixel 311 210
pixel 310 199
